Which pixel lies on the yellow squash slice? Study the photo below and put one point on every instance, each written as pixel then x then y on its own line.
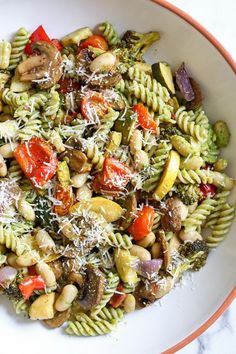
pixel 169 176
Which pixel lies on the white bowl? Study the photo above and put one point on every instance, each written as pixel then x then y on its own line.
pixel 187 310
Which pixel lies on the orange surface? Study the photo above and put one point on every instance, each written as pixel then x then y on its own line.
pixel 232 64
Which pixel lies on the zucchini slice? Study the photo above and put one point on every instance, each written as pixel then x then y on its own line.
pixel 162 72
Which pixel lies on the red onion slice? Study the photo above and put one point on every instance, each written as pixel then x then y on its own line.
pixel 7 275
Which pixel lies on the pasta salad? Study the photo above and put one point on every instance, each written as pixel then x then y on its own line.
pixel 111 180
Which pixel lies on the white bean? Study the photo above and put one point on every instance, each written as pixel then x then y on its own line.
pixel 28 259
pixel 140 252
pixel 141 159
pixel 47 273
pixel 25 209
pixel 182 208
pixel 148 241
pixel 174 244
pixel 129 303
pixel 136 141
pixel 192 163
pixel 65 299
pixel 156 250
pixel 3 167
pixel 104 62
pixel 79 180
pixel 7 150
pixel 44 241
pixel 84 193
pixel 190 235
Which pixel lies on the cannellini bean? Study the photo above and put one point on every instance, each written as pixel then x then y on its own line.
pixel 136 141
pixel 140 252
pixel 67 296
pixel 44 241
pixel 104 62
pixel 148 241
pixel 192 163
pixel 11 260
pixel 156 250
pixel 3 167
pixel 165 287
pixel 129 303
pixel 47 273
pixel 141 159
pixel 174 244
pixel 190 235
pixel 79 180
pixel 182 208
pixel 28 259
pixel 7 150
pixel 25 209
pixel 84 193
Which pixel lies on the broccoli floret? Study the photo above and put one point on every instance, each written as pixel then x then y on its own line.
pixel 169 131
pixel 188 194
pixel 138 43
pixel 195 252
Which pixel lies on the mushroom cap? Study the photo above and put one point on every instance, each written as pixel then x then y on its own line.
pixel 93 288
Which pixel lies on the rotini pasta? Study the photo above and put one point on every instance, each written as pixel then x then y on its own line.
pixel 118 240
pixel 18 45
pixel 109 33
pixel 200 214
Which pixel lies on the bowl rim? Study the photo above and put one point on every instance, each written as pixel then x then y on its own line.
pixel 229 59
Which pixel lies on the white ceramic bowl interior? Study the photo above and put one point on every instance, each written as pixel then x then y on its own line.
pixel 186 308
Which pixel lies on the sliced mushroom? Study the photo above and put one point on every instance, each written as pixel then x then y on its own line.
pixel 165 249
pixel 95 80
pixel 77 160
pixel 147 292
pixel 171 218
pixel 93 288
pixel 131 207
pixel 45 68
pixel 58 319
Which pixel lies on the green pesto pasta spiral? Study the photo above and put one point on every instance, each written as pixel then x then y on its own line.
pixel 76 129
pixel 156 167
pixel 118 240
pixel 221 228
pixel 11 241
pixel 209 149
pixel 156 222
pixel 109 314
pixel 34 103
pixel 94 155
pixel 88 327
pixel 32 127
pixel 128 288
pixel 20 306
pixel 189 127
pixel 200 214
pixel 18 45
pixel 112 281
pixel 221 200
pixel 14 99
pixel 201 118
pixel 106 123
pixel 150 98
pixel 195 176
pixel 150 83
pixel 149 143
pixel 109 33
pixel 14 171
pixel 52 105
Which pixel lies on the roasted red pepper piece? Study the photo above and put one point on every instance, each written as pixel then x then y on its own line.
pixel 144 118
pixel 38 35
pixel 30 284
pixel 142 224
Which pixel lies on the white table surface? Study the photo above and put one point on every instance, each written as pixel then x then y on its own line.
pixel 218 16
